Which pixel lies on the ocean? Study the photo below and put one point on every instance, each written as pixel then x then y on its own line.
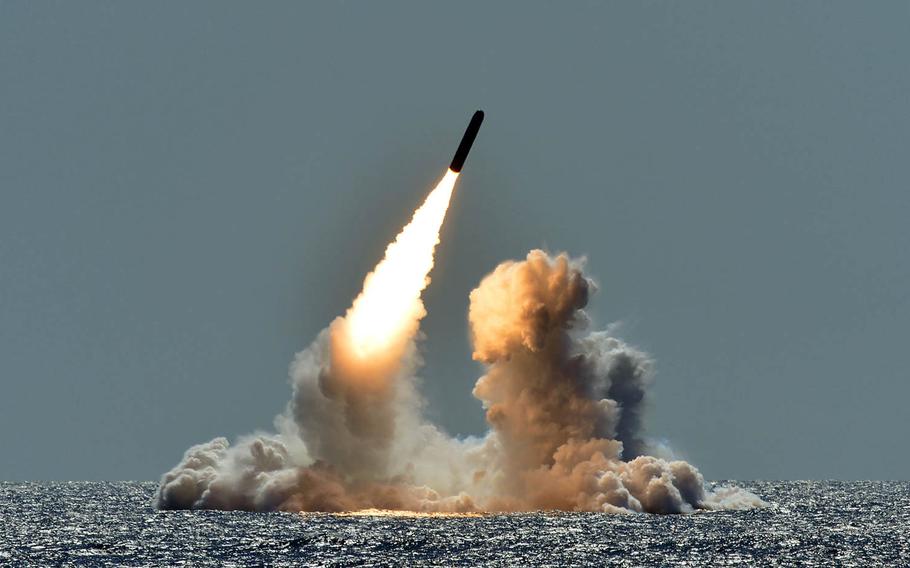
pixel 807 523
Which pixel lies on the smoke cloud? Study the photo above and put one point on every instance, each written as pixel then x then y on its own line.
pixel 565 408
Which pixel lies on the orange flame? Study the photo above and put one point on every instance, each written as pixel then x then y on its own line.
pixel 389 306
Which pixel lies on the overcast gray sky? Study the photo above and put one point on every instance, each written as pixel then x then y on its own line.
pixel 189 192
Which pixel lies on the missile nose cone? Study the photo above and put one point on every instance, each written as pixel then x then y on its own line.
pixel 467 140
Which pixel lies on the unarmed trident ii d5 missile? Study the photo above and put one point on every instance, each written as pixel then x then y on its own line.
pixel 469 135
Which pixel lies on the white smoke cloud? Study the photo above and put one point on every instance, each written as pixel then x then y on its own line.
pixel 565 407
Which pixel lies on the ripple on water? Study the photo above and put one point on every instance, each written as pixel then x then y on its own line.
pixel 809 523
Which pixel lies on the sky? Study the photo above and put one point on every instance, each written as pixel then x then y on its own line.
pixel 190 192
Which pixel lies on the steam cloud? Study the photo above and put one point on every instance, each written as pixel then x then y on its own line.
pixel 564 405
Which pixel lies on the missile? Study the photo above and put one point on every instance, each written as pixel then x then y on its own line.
pixel 467 140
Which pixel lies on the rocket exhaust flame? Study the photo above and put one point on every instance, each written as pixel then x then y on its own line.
pixel 389 304
pixel 564 407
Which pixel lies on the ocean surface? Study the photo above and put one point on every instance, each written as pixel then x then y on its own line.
pixel 807 523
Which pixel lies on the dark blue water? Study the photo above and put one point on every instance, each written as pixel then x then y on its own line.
pixel 807 524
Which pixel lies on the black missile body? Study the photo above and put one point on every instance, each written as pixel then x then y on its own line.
pixel 467 140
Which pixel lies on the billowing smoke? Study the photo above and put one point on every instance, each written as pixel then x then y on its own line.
pixel 352 436
pixel 564 405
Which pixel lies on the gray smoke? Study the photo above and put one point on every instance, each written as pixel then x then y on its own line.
pixel 565 407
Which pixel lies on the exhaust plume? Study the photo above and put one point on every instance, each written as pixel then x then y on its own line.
pixel 565 408
pixel 355 382
pixel 389 307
